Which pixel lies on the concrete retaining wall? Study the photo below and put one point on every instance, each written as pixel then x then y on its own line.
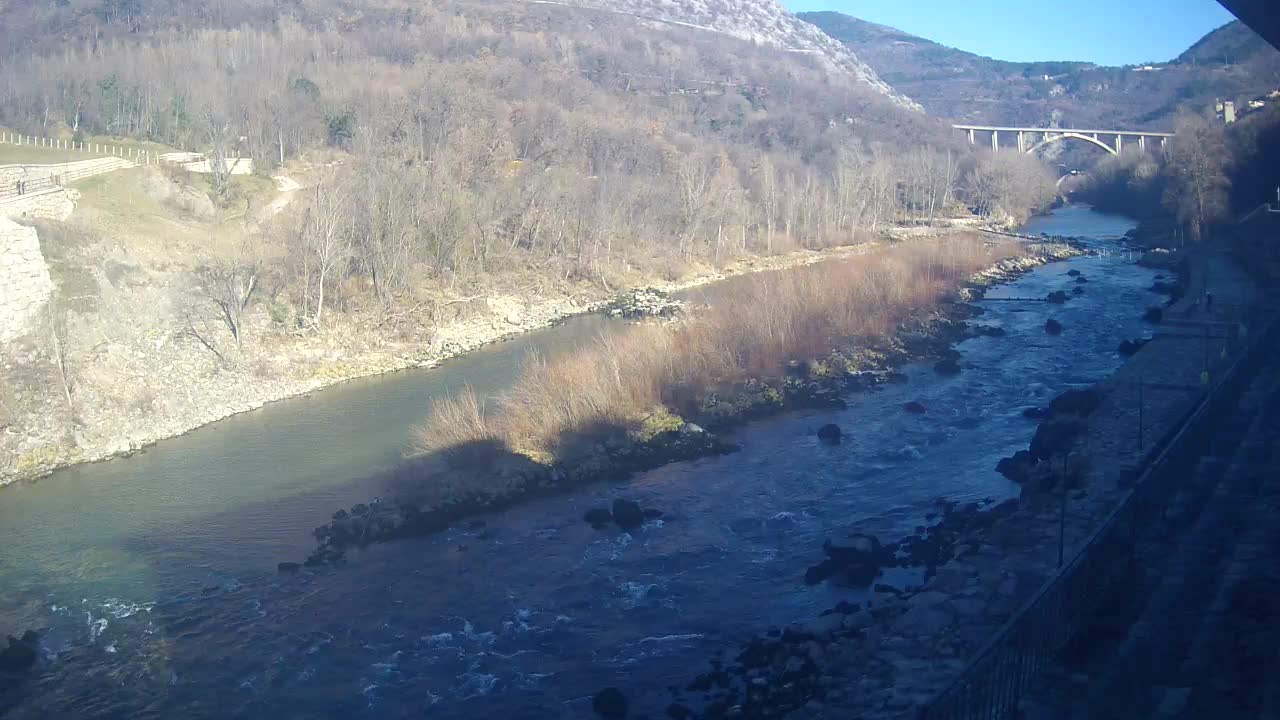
pixel 25 285
pixel 52 204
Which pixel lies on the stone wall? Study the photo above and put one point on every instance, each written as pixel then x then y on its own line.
pixel 54 204
pixel 25 285
pixel 62 173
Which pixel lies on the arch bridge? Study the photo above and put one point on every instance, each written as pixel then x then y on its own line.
pixel 1031 140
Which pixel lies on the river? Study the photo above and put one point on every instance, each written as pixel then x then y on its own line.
pixel 152 578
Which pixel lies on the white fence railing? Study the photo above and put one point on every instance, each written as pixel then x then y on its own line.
pixel 140 156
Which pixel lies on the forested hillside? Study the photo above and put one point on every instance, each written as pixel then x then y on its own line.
pixel 486 128
pixel 1229 63
pixel 467 168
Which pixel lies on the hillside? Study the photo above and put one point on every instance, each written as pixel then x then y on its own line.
pixel 1231 62
pixel 759 21
pixel 1231 44
pixel 445 173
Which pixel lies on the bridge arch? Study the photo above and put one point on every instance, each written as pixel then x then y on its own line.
pixel 1074 136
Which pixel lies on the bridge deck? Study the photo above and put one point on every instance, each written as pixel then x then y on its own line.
pixel 1057 131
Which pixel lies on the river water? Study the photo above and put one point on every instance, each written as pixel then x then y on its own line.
pixel 152 578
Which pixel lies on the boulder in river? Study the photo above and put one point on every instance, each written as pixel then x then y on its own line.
pixel 1076 401
pixel 1017 468
pixel 1057 297
pixel 627 514
pixel 989 331
pixel 288 567
pixel 830 434
pixel 21 653
pixel 915 407
pixel 1131 347
pixel 1082 280
pixel 610 704
pixel 1153 314
pixel 598 517
pixel 1052 327
pixel 1055 437
pixel 1077 290
pixel 857 557
pixel 947 366
pixel 1073 273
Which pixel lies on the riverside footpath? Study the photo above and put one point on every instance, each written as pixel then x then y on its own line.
pixel 921 642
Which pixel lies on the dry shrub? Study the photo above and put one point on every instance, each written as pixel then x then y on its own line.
pixel 453 422
pixel 753 327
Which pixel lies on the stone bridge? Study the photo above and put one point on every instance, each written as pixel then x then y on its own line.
pixel 1031 140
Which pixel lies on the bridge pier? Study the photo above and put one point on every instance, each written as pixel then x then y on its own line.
pixel 1142 143
pixel 1119 144
pixel 995 141
pixel 1022 142
pixel 971 138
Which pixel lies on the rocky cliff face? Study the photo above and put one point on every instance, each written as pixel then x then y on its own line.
pixel 25 285
pixel 762 21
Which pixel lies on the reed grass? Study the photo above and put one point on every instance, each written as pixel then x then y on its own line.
pixel 752 327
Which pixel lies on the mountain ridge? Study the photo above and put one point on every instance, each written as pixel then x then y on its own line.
pixel 761 21
pixel 1230 62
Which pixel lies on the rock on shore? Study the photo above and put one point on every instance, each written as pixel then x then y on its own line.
pixel 643 303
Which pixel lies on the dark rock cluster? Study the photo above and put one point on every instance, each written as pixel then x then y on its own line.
pixel 382 521
pixel 806 663
pixel 1128 348
pixel 830 434
pixel 21 654
pixel 857 559
pixel 1063 423
pixel 626 514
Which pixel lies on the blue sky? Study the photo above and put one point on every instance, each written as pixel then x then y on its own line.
pixel 1108 32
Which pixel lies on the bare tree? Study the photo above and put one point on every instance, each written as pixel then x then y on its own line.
pixel 217 135
pixel 1197 164
pixel 56 317
pixel 323 242
pixel 230 284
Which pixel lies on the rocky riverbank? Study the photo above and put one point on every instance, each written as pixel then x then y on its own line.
pixel 889 656
pixel 668 438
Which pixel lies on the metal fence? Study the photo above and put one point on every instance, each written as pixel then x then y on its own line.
pixel 999 674
pixel 19 188
pixel 32 179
